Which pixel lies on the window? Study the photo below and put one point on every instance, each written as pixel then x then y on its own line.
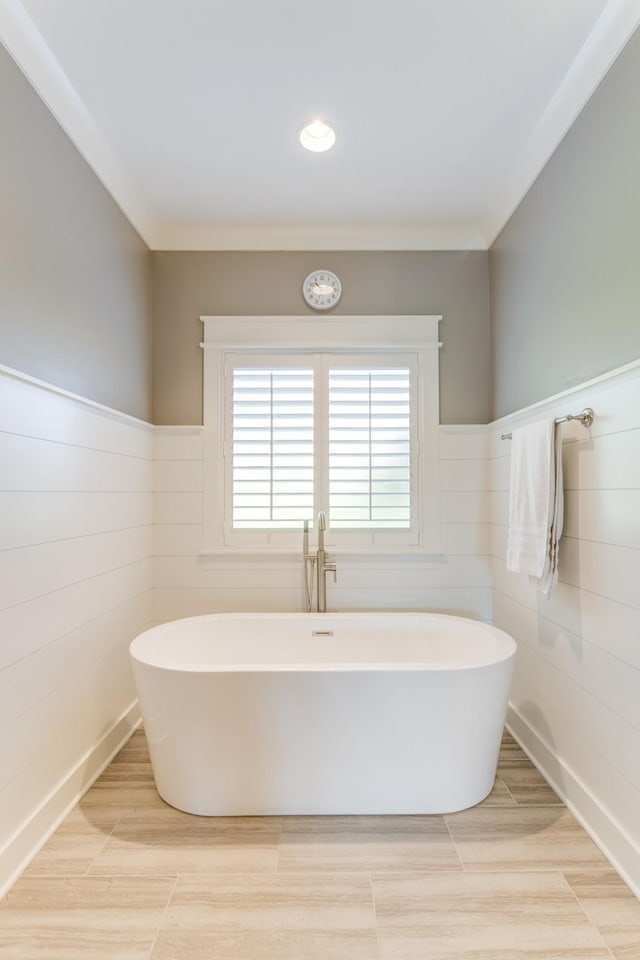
pixel 330 425
pixel 370 447
pixel 305 433
pixel 269 454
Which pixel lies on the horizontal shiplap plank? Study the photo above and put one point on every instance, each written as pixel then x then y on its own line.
pixel 563 606
pixel 469 602
pixel 474 602
pixel 454 572
pixel 606 462
pixel 31 464
pixel 178 475
pixel 185 507
pixel 608 516
pixel 601 568
pixel 31 517
pixel 30 626
pixel 172 604
pixel 613 626
pixel 34 677
pixel 466 539
pixel 177 539
pixel 30 572
pixel 499 507
pixel 191 573
pixel 499 541
pixel 469 507
pixel 500 474
pixel 187 572
pixel 464 475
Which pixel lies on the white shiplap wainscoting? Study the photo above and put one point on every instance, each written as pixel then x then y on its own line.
pixel 75 587
pixel 187 584
pixel 575 704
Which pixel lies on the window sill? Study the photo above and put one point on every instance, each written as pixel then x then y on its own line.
pixel 281 552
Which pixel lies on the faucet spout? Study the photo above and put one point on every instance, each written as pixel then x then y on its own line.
pixel 323 566
pixel 322 526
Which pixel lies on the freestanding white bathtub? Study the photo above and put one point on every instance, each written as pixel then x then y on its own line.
pixel 348 713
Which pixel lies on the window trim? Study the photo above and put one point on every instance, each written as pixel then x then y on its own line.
pixel 340 334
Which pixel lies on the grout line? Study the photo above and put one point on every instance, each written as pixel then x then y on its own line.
pixel 455 845
pixel 106 841
pixel 584 910
pixel 164 913
pixel 375 916
pixel 277 870
pixel 508 790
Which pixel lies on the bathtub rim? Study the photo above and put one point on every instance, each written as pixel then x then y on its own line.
pixel 506 649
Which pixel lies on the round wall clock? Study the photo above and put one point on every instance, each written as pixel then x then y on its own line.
pixel 322 289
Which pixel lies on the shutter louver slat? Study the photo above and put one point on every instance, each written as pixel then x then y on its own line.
pixel 272 445
pixel 369 448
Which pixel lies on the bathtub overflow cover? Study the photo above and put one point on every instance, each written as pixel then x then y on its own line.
pixel 322 633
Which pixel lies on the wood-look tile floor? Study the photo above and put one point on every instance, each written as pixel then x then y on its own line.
pixel 127 877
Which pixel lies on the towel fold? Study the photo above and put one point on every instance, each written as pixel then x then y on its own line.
pixel 536 504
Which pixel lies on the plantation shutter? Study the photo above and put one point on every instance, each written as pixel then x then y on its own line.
pixel 369 448
pixel 272 447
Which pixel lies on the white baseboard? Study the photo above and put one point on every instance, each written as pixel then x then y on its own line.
pixel 610 837
pixel 34 833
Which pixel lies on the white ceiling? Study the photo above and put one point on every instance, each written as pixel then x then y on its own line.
pixel 188 110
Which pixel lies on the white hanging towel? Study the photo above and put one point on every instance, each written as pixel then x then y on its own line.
pixel 536 503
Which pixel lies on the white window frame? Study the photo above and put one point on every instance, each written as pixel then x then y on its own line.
pixel 342 336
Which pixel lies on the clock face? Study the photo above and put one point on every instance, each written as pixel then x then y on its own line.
pixel 322 289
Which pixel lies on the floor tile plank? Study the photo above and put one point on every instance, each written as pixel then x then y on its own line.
pixel 371 843
pixel 483 917
pixel 522 838
pixel 80 918
pixel 269 918
pixel 173 844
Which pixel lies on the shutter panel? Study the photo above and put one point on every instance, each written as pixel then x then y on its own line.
pixel 369 448
pixel 272 447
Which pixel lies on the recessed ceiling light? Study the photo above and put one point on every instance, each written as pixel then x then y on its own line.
pixel 317 135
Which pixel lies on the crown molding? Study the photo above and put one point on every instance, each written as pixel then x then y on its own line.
pixel 24 43
pixel 319 237
pixel 613 29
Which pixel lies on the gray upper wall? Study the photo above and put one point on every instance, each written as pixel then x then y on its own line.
pixel 75 287
pixel 189 285
pixel 565 271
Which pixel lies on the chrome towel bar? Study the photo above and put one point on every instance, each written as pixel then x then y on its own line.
pixel 585 417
